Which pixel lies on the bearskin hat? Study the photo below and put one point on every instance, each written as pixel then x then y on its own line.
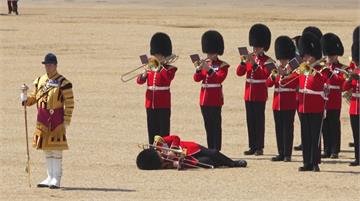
pixel 148 159
pixel 212 42
pixel 331 45
pixel 309 44
pixel 260 36
pixel 313 30
pixel 160 44
pixel 284 48
pixel 356 36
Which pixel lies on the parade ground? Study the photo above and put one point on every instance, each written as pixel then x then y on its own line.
pixel 98 40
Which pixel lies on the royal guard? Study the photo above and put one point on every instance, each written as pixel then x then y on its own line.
pixel 284 101
pixel 158 79
pixel 311 99
pixel 352 83
pixel 171 152
pixel 54 100
pixel 212 72
pixel 356 38
pixel 332 48
pixel 255 88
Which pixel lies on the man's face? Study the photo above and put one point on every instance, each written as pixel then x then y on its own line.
pixel 212 56
pixel 50 68
pixel 258 50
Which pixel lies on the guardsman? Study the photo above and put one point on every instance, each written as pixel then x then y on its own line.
pixel 332 48
pixel 284 101
pixel 158 97
pixel 212 72
pixel 311 99
pixel 255 87
pixel 352 83
pixel 54 100
pixel 161 156
pixel 13 6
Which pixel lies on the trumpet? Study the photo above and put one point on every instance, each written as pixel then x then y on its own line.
pixel 304 67
pixel 153 64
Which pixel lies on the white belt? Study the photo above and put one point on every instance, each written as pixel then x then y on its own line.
pixel 284 90
pixel 253 81
pixel 309 91
pixel 355 95
pixel 333 87
pixel 210 85
pixel 157 88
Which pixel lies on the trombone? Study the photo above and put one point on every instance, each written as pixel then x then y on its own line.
pixel 153 64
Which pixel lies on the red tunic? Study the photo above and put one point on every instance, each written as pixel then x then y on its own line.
pixel 174 141
pixel 255 87
pixel 311 91
pixel 354 86
pixel 284 95
pixel 352 66
pixel 211 93
pixel 334 82
pixel 158 87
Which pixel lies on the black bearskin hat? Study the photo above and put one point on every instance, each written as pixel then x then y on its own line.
pixel 331 45
pixel 356 36
pixel 148 159
pixel 160 44
pixel 296 41
pixel 313 30
pixel 355 52
pixel 284 48
pixel 309 44
pixel 212 42
pixel 260 36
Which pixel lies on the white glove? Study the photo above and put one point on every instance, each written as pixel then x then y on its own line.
pixel 23 97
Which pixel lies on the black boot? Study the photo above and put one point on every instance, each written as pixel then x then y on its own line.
pixel 249 152
pixel 240 163
pixel 277 158
pixel 259 152
pixel 298 148
pixel 355 163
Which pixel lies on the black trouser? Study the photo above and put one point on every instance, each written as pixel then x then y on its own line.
pixel 355 121
pixel 255 119
pixel 212 121
pixel 331 132
pixel 213 157
pixel 284 127
pixel 310 137
pixel 12 6
pixel 158 122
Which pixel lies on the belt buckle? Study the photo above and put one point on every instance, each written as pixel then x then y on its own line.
pixel 51 111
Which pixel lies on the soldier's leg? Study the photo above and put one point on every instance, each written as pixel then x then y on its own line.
pixel 250 125
pixel 326 133
pixel 206 113
pixel 355 130
pixel 316 120
pixel 164 120
pixel 305 139
pixel 219 159
pixel 217 130
pixel 288 132
pixel 15 7
pixel 9 6
pixel 279 135
pixel 57 170
pixel 336 134
pixel 49 167
pixel 260 126
pixel 153 128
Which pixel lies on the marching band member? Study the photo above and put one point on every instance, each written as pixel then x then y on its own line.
pixel 311 99
pixel 54 100
pixel 255 88
pixel 158 97
pixel 211 73
pixel 195 155
pixel 353 84
pixel 332 48
pixel 284 101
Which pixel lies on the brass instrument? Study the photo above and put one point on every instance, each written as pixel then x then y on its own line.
pixel 304 67
pixel 153 64
pixel 347 75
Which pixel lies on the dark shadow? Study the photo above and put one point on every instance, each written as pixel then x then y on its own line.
pixel 97 189
pixel 342 172
pixel 4 14
pixel 335 161
pixel 347 151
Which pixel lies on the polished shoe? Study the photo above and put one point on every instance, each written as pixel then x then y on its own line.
pixel 325 155
pixel 259 152
pixel 240 163
pixel 287 159
pixel 351 144
pixel 316 168
pixel 277 158
pixel 298 148
pixel 305 168
pixel 249 152
pixel 334 156
pixel 355 163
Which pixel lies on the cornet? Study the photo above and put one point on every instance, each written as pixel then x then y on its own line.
pixel 304 67
pixel 153 64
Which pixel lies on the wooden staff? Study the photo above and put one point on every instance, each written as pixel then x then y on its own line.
pixel 24 89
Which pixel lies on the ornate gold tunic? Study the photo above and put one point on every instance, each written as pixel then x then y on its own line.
pixel 54 99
